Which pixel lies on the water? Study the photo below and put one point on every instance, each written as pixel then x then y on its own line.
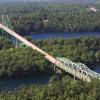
pixel 63 35
pixel 14 83
pixel 97 69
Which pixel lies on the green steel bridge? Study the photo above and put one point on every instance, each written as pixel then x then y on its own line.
pixel 78 70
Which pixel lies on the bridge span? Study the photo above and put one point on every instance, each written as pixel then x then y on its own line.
pixel 76 69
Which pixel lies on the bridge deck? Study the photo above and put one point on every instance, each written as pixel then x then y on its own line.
pixel 61 63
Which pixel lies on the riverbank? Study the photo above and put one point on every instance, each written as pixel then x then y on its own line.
pixel 64 89
pixel 13 83
pixel 25 61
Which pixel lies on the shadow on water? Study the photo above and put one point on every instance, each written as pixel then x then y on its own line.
pixel 13 83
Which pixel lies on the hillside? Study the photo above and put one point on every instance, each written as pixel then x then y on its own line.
pixel 57 1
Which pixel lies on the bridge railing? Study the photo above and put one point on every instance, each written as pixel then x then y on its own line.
pixel 5 20
pixel 78 69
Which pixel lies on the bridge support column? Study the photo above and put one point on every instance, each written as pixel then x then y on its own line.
pixel 82 76
pixel 53 66
pixel 16 43
pixel 58 71
pixel 2 29
pixel 75 75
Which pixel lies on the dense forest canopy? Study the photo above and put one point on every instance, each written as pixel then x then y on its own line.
pixel 36 17
pixel 66 89
pixel 24 61
pixel 52 17
pixel 17 62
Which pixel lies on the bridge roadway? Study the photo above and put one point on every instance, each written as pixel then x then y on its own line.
pixel 58 63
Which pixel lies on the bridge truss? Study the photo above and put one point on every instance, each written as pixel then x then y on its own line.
pixel 78 70
pixel 5 20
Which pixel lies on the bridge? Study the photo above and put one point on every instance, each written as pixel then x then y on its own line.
pixel 78 70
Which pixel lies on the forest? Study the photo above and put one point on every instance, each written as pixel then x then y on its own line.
pixel 48 17
pixel 16 62
pixel 19 62
pixel 30 18
pixel 65 89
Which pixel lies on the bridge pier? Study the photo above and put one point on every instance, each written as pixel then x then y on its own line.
pixel 75 76
pixel 55 69
pixel 2 23
pixel 16 43
pixel 59 63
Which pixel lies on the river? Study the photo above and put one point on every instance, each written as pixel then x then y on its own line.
pixel 63 35
pixel 13 83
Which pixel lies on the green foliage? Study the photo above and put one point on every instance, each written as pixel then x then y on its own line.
pixel 25 61
pixel 85 50
pixel 30 17
pixel 66 89
pixel 20 62
pixel 5 43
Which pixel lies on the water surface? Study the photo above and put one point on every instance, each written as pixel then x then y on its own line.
pixel 14 83
pixel 63 35
pixel 97 69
